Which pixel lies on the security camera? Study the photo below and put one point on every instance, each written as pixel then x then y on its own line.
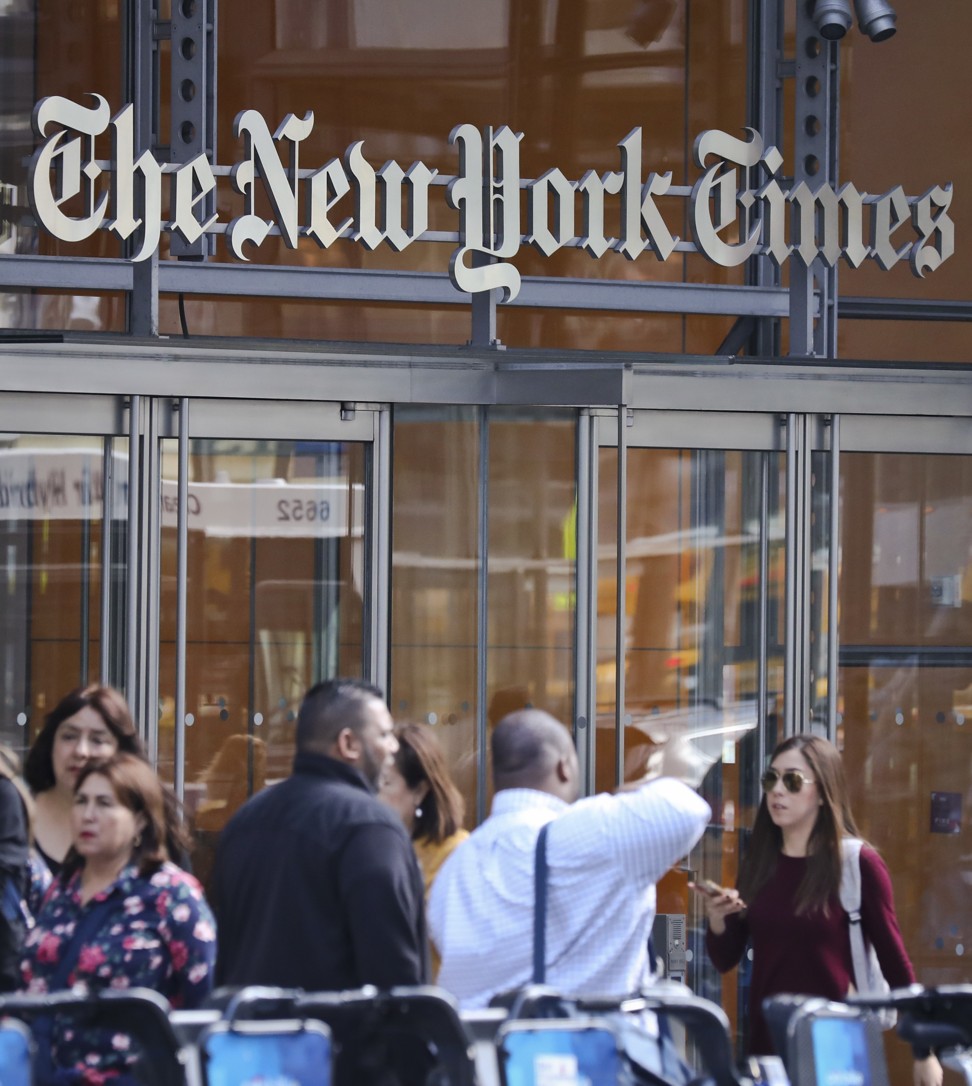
pixel 833 18
pixel 876 19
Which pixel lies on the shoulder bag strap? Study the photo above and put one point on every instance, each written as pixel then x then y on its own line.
pixel 540 908
pixel 850 900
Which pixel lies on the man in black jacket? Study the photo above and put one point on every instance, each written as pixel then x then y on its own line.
pixel 316 884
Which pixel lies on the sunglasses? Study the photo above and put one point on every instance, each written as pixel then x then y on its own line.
pixel 793 780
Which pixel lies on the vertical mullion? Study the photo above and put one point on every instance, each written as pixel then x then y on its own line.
pixel 182 552
pixel 134 578
pixel 585 640
pixel 84 622
pixel 834 572
pixel 791 541
pixel 151 534
pixel 482 614
pixel 763 605
pixel 620 639
pixel 378 554
pixel 803 634
pixel 107 515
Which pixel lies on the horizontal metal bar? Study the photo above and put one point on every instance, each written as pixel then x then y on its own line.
pixel 911 656
pixel 94 273
pixel 405 287
pixel 437 289
pixel 904 309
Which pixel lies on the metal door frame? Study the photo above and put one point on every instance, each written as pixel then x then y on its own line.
pixel 624 429
pixel 146 420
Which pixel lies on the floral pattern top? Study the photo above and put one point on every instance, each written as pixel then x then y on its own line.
pixel 159 933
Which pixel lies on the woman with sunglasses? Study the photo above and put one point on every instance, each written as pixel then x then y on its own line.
pixel 787 905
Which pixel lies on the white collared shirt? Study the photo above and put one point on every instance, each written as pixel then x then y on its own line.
pixel 604 854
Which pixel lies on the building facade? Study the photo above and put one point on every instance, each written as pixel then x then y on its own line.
pixel 608 356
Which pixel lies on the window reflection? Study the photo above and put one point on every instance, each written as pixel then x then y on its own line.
pixel 51 547
pixel 276 567
pixel 906 686
pixel 435 574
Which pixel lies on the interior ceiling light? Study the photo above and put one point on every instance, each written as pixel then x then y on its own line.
pixel 649 20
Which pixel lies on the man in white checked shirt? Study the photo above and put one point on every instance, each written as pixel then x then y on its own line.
pixel 604 853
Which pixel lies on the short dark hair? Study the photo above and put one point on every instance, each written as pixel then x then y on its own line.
pixel 420 760
pixel 108 703
pixel 526 746
pixel 330 707
pixel 136 786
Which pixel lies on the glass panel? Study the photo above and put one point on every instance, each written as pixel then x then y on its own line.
pixel 906 689
pixel 435 603
pixel 820 491
pixel 705 558
pixel 923 63
pixel 434 614
pixel 532 552
pixel 575 79
pixel 48 47
pixel 51 515
pixel 276 575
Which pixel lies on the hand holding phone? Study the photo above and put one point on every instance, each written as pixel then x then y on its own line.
pixel 728 899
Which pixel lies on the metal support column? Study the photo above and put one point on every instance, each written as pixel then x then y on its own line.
pixel 140 78
pixel 766 68
pixel 816 137
pixel 192 103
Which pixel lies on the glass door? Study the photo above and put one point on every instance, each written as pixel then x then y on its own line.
pixel 693 608
pixel 63 540
pixel 275 587
pixel 904 708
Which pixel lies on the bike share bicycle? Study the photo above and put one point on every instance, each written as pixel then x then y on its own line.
pixel 840 1044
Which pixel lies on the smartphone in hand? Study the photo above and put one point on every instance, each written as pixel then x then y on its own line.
pixel 709 888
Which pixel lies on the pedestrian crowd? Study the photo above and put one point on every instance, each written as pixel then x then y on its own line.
pixel 356 870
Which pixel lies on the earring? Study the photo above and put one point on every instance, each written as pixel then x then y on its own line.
pixel 418 812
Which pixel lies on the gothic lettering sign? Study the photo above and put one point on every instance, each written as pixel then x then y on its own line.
pixel 739 206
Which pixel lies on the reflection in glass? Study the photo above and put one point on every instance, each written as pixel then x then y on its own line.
pixel 48 47
pixel 704 574
pixel 435 639
pixel 906 687
pixel 276 570
pixel 51 531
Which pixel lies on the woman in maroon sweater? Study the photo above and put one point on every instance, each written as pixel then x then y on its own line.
pixel 790 878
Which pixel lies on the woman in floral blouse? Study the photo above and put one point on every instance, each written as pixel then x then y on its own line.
pixel 120 915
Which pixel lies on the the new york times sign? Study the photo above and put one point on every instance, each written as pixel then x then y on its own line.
pixel 72 195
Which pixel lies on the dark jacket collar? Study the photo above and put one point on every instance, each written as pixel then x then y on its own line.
pixel 322 765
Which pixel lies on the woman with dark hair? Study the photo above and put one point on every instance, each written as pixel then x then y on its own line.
pixel 119 915
pixel 787 902
pixel 89 722
pixel 418 786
